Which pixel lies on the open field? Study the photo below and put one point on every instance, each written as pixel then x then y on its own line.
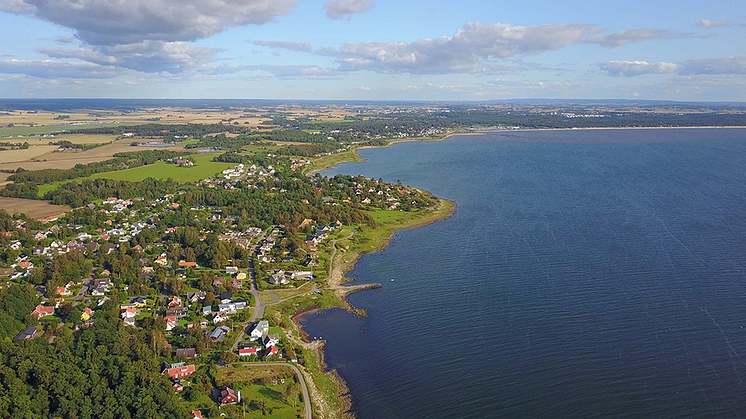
pixel 15 156
pixel 73 138
pixel 24 131
pixel 45 122
pixel 66 160
pixel 203 168
pixel 31 207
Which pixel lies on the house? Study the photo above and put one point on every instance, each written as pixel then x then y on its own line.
pixel 128 312
pixel 187 353
pixel 186 264
pixel 231 270
pixel 196 414
pixel 26 334
pixel 87 314
pixel 97 292
pixel 219 333
pixel 229 308
pixel 220 317
pixel 278 278
pixel 138 301
pixel 218 282
pixel 247 351
pixel 180 372
pixel 196 296
pixel 239 304
pixel 241 276
pixel 181 312
pixel 171 322
pixel 271 340
pixel 229 396
pixel 42 311
pixel 102 283
pixel 271 351
pixel 206 310
pixel 226 297
pixel 175 301
pixel 261 329
pixel 63 291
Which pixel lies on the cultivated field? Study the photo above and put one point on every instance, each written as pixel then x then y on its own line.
pixel 31 207
pixel 66 160
pixel 15 156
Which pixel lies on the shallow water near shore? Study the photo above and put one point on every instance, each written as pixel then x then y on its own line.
pixel 584 274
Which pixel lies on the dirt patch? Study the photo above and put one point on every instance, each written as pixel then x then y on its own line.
pixel 34 208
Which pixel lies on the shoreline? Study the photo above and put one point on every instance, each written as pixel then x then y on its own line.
pixel 335 282
pixel 344 261
pixel 473 131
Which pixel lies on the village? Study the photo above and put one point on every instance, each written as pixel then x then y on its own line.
pixel 204 283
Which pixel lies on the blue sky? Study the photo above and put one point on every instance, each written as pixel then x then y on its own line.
pixel 373 49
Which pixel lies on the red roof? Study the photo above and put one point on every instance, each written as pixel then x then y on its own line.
pixel 196 414
pixel 41 311
pixel 272 351
pixel 180 371
pixel 247 351
pixel 24 265
pixel 189 264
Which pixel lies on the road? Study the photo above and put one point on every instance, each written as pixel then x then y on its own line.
pixel 304 389
pixel 334 251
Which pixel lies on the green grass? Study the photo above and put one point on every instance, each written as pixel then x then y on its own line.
pixel 203 168
pixel 48 129
pixel 333 160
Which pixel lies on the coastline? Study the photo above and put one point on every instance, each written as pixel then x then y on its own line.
pixel 329 392
pixel 345 261
pixel 347 255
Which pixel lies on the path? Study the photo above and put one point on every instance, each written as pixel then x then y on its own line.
pixel 334 251
pixel 304 389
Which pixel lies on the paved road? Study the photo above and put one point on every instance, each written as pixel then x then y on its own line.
pixel 308 414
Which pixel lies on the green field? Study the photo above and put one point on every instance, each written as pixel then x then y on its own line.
pixel 203 168
pixel 48 129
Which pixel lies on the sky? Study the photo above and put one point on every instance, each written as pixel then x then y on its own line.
pixel 374 49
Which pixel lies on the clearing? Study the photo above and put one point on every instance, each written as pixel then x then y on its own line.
pixel 32 207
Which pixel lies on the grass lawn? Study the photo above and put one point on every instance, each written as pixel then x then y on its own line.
pixel 203 168
pixel 384 216
pixel 265 297
pixel 333 160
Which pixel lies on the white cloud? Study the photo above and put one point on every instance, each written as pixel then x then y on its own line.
pixel 146 56
pixel 290 46
pixel 637 68
pixel 620 38
pixel 731 65
pixel 473 48
pixel 296 71
pixel 112 22
pixel 49 69
pixel 709 66
pixel 340 9
pixel 707 23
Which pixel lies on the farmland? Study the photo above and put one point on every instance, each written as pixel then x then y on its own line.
pixel 66 160
pixel 31 207
pixel 203 168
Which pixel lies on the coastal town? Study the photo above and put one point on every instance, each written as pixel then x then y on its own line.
pixel 212 288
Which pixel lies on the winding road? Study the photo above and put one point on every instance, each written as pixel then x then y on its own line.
pixel 308 414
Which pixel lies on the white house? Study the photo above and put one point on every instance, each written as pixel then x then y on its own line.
pixel 261 329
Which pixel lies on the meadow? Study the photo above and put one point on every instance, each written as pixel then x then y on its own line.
pixel 203 168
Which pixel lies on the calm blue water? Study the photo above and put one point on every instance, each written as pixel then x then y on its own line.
pixel 589 274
